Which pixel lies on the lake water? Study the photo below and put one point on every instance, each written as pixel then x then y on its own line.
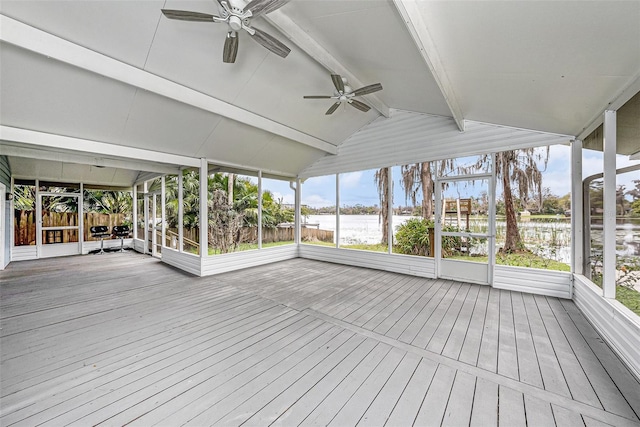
pixel 550 238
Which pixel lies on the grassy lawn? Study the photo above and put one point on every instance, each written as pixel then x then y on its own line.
pixel 630 298
pixel 372 247
pixel 519 260
pixel 251 246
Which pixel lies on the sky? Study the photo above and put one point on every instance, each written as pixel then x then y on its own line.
pixel 359 187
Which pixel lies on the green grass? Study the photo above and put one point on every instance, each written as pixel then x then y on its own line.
pixel 252 246
pixel 319 243
pixel 371 247
pixel 519 260
pixel 630 298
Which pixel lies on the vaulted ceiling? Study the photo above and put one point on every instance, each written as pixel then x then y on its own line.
pixel 117 84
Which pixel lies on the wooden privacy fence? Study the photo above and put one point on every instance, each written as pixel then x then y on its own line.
pixel 25 223
pixel 271 235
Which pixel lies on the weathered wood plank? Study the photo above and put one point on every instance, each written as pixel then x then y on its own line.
pixel 485 404
pixel 538 412
pixel 471 345
pixel 488 355
pixel 552 375
pixel 434 292
pixel 564 417
pixel 528 368
pixel 280 411
pixel 608 393
pixel 458 411
pixel 407 407
pixel 357 405
pixel 507 351
pixel 455 340
pixel 437 397
pixel 511 408
pixel 381 407
pixel 579 385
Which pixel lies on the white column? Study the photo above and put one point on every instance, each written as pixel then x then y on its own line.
pixel 609 203
pixel 577 202
pixel 337 233
pixel 259 209
pixel 204 217
pixel 390 209
pixel 135 212
pixel 163 206
pixel 80 218
pixel 180 212
pixel 491 244
pixel 38 220
pixel 298 207
pixel 145 233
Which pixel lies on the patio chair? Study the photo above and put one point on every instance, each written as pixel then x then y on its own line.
pixel 100 231
pixel 121 231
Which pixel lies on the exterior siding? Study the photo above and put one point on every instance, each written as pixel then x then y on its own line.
pixel 239 260
pixel 405 264
pixel 616 323
pixel 423 138
pixel 533 281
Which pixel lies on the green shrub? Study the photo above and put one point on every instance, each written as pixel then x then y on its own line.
pixel 412 237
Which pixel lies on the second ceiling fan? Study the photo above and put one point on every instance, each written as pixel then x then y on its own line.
pixel 344 94
pixel 237 17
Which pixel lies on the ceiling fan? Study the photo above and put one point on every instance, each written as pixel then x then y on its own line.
pixel 237 17
pixel 344 94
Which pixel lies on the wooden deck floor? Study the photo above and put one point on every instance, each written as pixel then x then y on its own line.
pixel 123 339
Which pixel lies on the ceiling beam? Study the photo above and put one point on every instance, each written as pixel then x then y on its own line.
pixel 614 104
pixel 35 40
pixel 304 41
pixel 410 13
pixel 83 159
pixel 51 142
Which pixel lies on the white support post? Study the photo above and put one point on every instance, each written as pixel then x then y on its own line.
pixel 38 221
pixel 439 218
pixel 577 223
pixel 81 218
pixel 180 212
pixel 135 211
pixel 259 209
pixel 146 231
pixel 609 202
pixel 298 217
pixel 491 244
pixel 163 206
pixel 204 217
pixel 337 233
pixel 390 211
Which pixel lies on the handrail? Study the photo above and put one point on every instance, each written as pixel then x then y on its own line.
pixel 185 240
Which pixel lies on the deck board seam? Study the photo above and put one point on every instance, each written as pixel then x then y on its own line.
pixel 547 396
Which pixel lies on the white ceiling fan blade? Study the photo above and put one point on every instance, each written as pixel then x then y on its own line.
pixel 230 48
pixel 333 108
pixel 271 43
pixel 185 15
pixel 359 105
pixel 367 89
pixel 337 82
